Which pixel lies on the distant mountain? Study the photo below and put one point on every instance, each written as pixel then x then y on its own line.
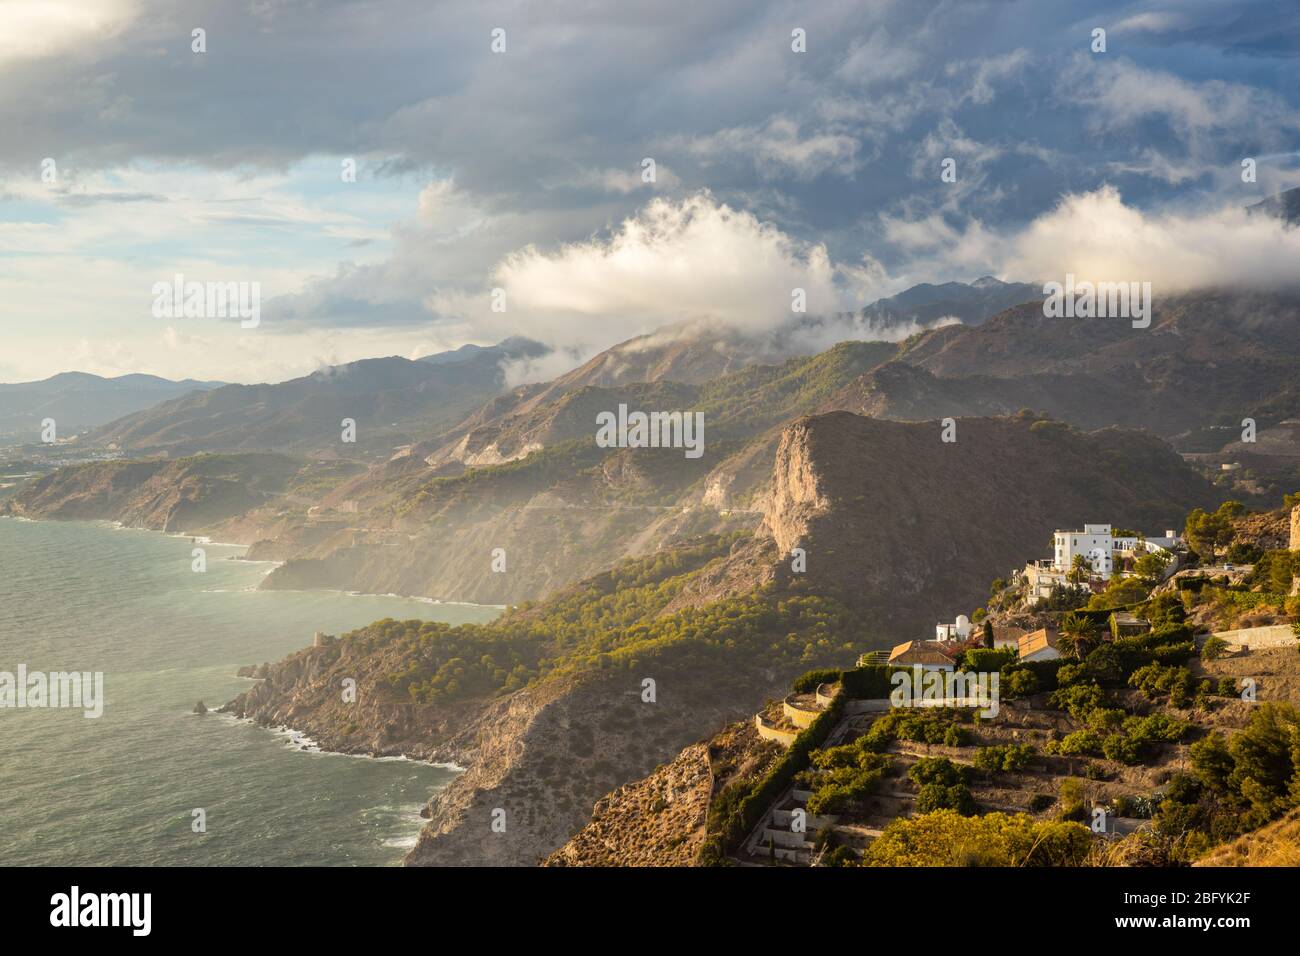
pixel 512 348
pixel 394 401
pixel 1207 359
pixel 77 400
pixel 1285 205
pixel 972 302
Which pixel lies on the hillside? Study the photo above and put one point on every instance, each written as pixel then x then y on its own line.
pixel 548 707
pixel 1179 767
pixel 392 400
pixel 544 706
pixel 560 507
pixel 1285 205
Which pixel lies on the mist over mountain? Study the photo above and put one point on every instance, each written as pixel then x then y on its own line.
pixel 971 303
pixel 1285 206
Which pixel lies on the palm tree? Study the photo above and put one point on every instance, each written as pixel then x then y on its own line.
pixel 1078 634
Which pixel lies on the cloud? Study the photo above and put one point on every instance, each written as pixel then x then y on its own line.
pixel 1120 94
pixel 777 148
pixel 1099 238
pixel 1152 21
pixel 693 259
pixel 467 159
pixel 35 29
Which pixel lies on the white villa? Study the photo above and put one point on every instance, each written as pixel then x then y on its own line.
pixel 1098 546
pixel 1102 551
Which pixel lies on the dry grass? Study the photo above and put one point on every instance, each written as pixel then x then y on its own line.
pixel 1277 844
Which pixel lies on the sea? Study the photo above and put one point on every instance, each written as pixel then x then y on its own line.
pixel 149 782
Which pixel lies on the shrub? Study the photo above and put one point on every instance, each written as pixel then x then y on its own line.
pixel 946 838
pixel 1083 742
pixel 808 682
pixel 935 796
pixel 1004 757
pixel 1212 761
pixel 841 856
pixel 956 736
pixel 1023 683
pixel 869 682
pixel 1120 748
pixel 987 659
pixel 1079 700
pixel 1155 679
pixel 939 770
pixel 1213 648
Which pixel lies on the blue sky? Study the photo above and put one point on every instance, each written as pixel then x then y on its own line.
pixel 521 170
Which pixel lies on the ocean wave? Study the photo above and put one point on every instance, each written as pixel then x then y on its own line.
pixel 301 742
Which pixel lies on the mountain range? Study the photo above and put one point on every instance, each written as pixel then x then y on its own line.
pixel 77 400
pixel 626 562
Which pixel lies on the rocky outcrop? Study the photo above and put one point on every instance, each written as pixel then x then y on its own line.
pixel 1294 544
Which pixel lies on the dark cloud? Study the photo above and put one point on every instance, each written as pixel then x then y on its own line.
pixel 538 140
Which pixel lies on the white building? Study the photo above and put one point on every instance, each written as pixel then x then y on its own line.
pixel 1098 547
pixel 957 631
pixel 1040 579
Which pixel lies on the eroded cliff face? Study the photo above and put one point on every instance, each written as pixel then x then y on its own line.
pixel 798 497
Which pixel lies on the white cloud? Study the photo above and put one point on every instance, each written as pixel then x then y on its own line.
pixel 1095 236
pixel 695 259
pixel 1119 94
pixel 878 58
pixel 42 28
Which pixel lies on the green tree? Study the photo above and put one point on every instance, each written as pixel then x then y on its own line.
pixel 1150 568
pixel 1078 634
